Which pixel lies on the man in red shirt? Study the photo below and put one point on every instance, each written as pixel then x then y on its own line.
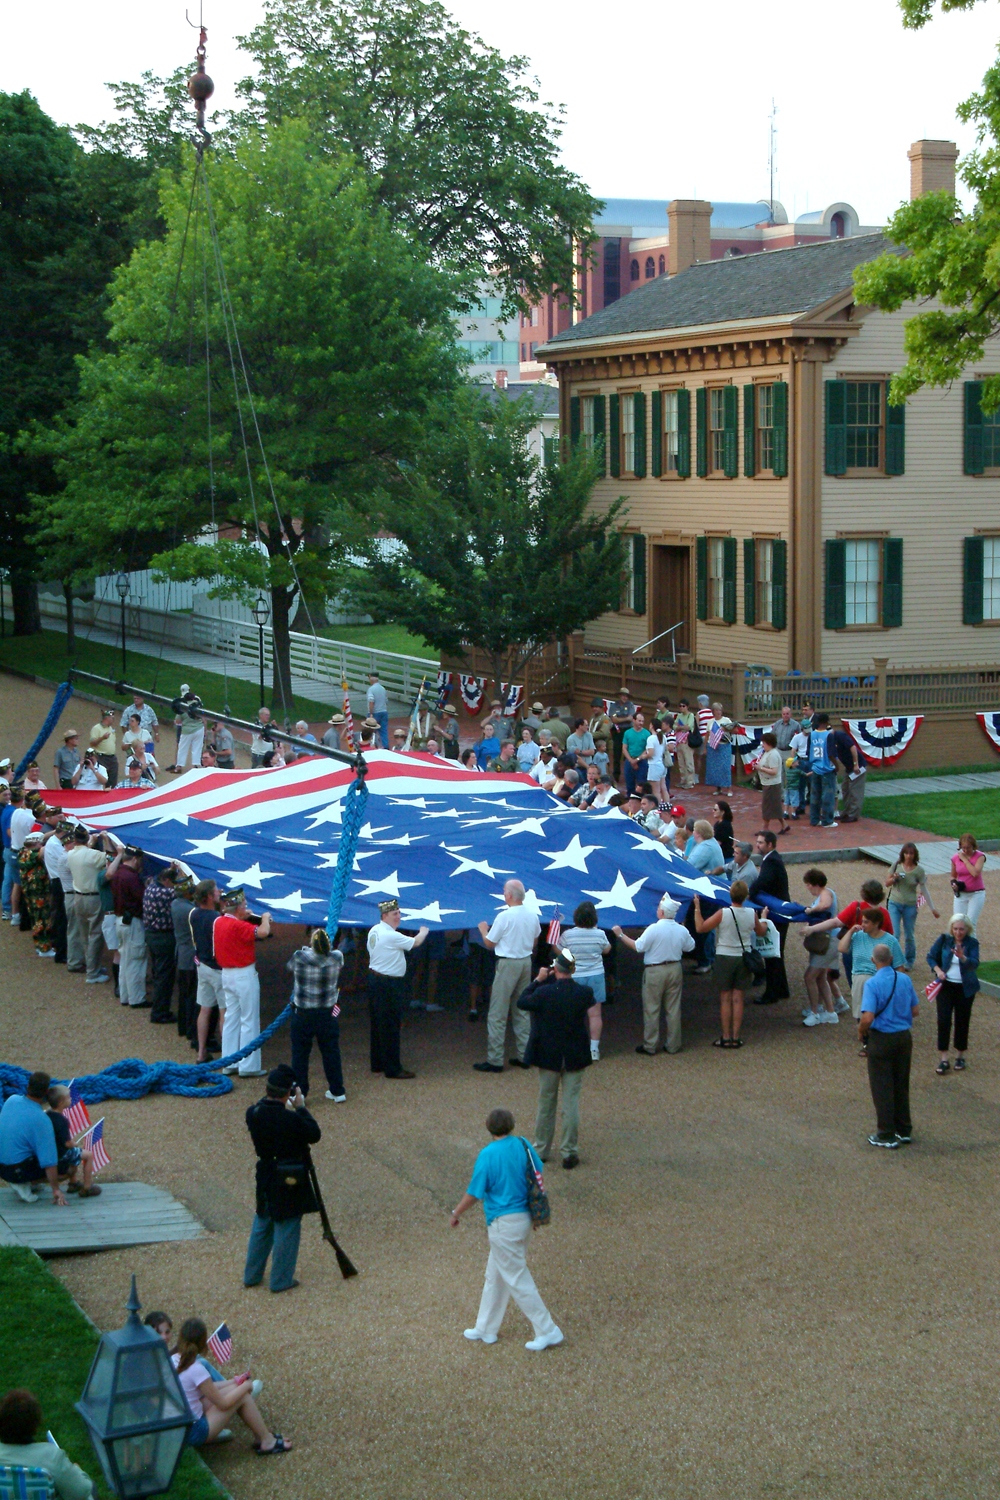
pixel 872 895
pixel 233 938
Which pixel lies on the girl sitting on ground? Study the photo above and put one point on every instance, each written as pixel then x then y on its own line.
pixel 210 1402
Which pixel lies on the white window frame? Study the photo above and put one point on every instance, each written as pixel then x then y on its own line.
pixel 991 577
pixel 764 406
pixel 671 431
pixel 587 422
pixel 764 581
pixel 716 428
pixel 627 407
pixel 863 582
pixel 716 577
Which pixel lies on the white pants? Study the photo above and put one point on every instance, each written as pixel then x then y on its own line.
pixel 210 988
pixel 109 928
pixel 132 957
pixel 507 1276
pixel 191 746
pixel 241 1022
pixel 970 905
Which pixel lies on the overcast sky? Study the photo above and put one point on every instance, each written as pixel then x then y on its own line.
pixel 662 99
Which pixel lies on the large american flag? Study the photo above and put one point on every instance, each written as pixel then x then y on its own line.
pixel 440 839
pixel 76 1113
pixel 220 1345
pixel 94 1141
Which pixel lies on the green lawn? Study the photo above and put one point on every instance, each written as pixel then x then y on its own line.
pixel 381 638
pixel 947 813
pixel 44 655
pixel 47 1345
pixel 990 972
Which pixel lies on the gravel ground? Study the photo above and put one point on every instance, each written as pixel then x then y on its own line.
pixel 755 1303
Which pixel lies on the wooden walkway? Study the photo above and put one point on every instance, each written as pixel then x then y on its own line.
pixel 935 857
pixel 126 1213
pixel 914 786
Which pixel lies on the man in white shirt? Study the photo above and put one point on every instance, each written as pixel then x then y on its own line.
pixel 662 946
pixel 54 854
pixel 387 950
pixel 148 722
pixel 513 935
pixel 86 939
pixel 259 746
pixel 90 775
pixel 545 770
pixel 377 700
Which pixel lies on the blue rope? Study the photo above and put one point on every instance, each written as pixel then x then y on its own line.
pixel 64 693
pixel 132 1078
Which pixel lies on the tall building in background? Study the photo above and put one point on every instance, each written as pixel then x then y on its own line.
pixel 490 340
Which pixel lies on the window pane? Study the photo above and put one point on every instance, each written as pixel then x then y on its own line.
pixel 765 426
pixel 628 433
pixel 864 424
pixel 991 578
pixel 862 574
pixel 587 426
pixel 670 432
pixel 717 424
pixel 765 585
pixel 991 440
pixel 716 569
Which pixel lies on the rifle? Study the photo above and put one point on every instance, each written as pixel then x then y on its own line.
pixel 347 1267
pixel 415 714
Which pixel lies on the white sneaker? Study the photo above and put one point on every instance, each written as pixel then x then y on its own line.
pixel 474 1336
pixel 841 1007
pixel 547 1340
pixel 256 1388
pixel 433 1007
pixel 806 1012
pixel 829 1018
pixel 595 1052
pixel 813 1019
pixel 48 953
pixel 337 1098
pixel 24 1191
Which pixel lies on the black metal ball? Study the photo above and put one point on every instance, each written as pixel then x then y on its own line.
pixel 200 86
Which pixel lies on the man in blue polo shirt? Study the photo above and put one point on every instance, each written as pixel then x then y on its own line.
pixel 888 1006
pixel 500 1183
pixel 28 1143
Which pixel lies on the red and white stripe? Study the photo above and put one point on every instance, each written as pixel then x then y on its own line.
pixel 990 725
pixel 883 741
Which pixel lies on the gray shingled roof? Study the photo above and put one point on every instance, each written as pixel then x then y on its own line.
pixel 544 397
pixel 772 283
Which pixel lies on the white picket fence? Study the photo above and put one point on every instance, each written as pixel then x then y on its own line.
pixel 146 592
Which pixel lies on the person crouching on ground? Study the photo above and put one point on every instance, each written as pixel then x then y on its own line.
pixel 500 1182
pixel 212 1402
pixel 885 1027
pixel 71 1157
pixel 282 1130
pixel 559 1047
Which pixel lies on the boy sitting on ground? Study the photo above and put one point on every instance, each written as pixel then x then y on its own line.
pixel 71 1158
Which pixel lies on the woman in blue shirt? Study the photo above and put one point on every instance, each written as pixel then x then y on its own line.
pixel 500 1182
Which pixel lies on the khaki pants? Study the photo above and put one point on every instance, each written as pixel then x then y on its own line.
pixel 661 989
pixel 545 1125
pixel 87 916
pixel 854 796
pixel 507 1276
pixel 76 960
pixel 511 977
pixel 685 765
pixel 132 958
pixel 858 983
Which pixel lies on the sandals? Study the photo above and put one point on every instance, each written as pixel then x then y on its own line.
pixel 943 1067
pixel 737 1041
pixel 722 1041
pixel 280 1446
pixel 959 1064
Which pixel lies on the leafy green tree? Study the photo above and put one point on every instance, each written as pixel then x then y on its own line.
pixel 345 336
pixel 917 13
pixel 493 550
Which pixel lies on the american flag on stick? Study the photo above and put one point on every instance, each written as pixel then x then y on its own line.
pixel 555 928
pixel 220 1345
pixel 94 1141
pixel 76 1113
pixel 348 716
pixel 715 735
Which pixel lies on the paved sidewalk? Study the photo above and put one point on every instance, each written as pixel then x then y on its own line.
pixel 935 857
pixel 982 781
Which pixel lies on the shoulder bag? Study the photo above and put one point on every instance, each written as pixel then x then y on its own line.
pixel 753 960
pixel 538 1198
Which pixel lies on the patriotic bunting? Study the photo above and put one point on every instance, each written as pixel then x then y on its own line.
pixel 472 690
pixel 990 725
pixel 883 741
pixel 443 688
pixel 746 739
pixel 511 696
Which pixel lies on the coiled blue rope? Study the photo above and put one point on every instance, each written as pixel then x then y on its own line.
pixel 64 693
pixel 132 1078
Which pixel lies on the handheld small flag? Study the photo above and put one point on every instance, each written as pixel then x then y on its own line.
pixel 76 1113
pixel 220 1345
pixel 555 927
pixel 94 1141
pixel 715 735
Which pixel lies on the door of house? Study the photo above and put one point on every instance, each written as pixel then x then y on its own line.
pixel 671 597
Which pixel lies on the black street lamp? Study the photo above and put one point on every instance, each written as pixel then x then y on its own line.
pixel 261 614
pixel 134 1409
pixel 122 587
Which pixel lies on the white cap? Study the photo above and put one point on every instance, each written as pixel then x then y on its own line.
pixel 668 907
pixel 185 687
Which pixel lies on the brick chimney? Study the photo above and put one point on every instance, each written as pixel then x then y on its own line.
pixel 690 235
pixel 932 167
pixel 500 379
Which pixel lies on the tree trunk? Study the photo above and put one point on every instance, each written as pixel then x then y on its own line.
pixel 310 610
pixel 282 703
pixel 24 597
pixel 70 618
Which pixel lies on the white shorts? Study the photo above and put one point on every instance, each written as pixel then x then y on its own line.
pixel 109 927
pixel 210 987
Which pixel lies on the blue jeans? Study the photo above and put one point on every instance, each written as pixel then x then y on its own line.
pixel 383 724
pixel 596 985
pixel 635 774
pixel 904 921
pixel 11 878
pixel 281 1237
pixel 822 797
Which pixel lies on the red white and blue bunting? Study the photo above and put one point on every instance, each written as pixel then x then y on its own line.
pixel 511 696
pixel 472 689
pixel 990 724
pixel 443 688
pixel 746 739
pixel 883 741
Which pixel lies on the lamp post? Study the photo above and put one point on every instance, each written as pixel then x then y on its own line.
pixel 134 1409
pixel 261 614
pixel 122 587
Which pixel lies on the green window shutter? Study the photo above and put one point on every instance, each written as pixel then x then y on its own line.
pixel 779 421
pixel 892 581
pixel 972 579
pixel 656 435
pixel 749 565
pixel 779 585
pixel 639 574
pixel 574 423
pixel 701 574
pixel 729 570
pixel 614 437
pixel 730 411
pixel 836 431
pixel 973 451
pixel 639 407
pixel 835 601
pixel 701 431
pixel 749 431
pixel 684 434
pixel 599 429
pixel 895 438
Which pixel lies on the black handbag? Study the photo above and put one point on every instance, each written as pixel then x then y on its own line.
pixel 538 1199
pixel 753 960
pixel 695 740
pixel 290 1174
